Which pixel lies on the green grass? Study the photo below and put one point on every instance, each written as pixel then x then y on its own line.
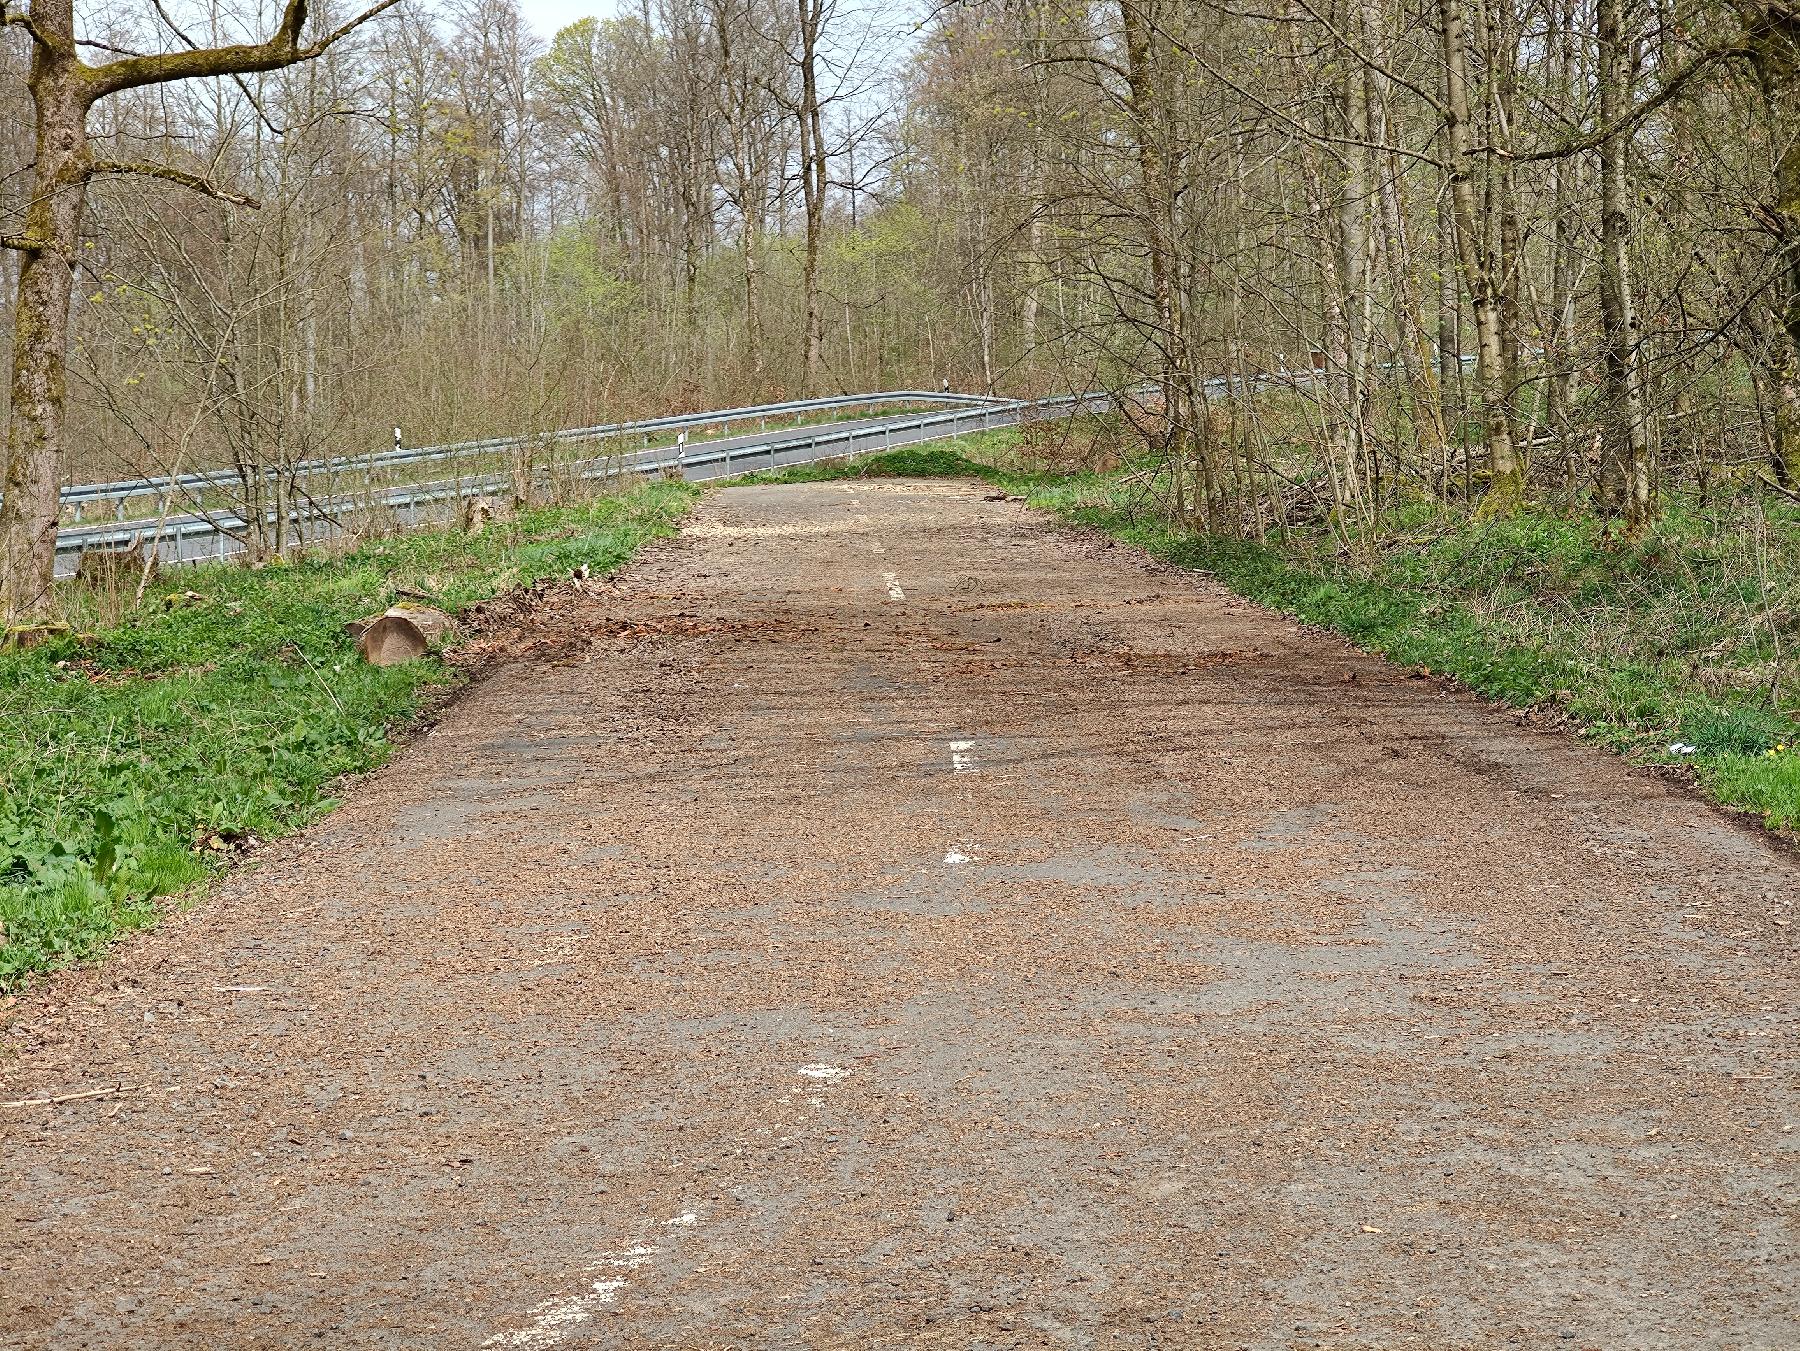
pixel 131 762
pixel 1689 637
pixel 942 459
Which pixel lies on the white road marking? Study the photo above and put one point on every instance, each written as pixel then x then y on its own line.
pixel 826 1072
pixel 554 1319
pixel 878 548
pixel 893 586
pixel 956 856
pixel 962 757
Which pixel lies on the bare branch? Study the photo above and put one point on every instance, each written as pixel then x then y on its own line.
pixel 106 47
pixel 169 173
pixel 22 18
pixel 1671 87
pixel 282 49
pixel 338 34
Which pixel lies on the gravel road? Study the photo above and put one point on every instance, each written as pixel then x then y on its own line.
pixel 886 919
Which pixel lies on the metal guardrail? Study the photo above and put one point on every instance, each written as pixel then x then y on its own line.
pixel 80 497
pixel 200 537
pixel 828 443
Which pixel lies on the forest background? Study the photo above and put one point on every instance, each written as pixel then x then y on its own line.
pixel 1448 245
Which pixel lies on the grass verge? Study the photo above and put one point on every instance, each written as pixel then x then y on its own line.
pixel 132 763
pixel 1681 649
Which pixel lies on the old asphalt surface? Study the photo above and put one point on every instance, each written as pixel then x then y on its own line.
pixel 885 919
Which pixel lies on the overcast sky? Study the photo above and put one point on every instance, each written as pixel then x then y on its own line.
pixel 547 16
pixel 897 18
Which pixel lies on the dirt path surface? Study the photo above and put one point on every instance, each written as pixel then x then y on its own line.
pixel 888 920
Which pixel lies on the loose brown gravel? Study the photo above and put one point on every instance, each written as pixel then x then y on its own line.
pixel 694 984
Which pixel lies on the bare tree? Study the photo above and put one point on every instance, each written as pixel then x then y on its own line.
pixel 754 144
pixel 64 90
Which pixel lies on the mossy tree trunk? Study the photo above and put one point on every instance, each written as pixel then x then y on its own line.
pixel 1772 40
pixel 28 516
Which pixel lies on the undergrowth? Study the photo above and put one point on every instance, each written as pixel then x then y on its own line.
pixel 135 760
pixel 1683 648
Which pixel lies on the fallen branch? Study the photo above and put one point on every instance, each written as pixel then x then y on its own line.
pixel 71 1097
pixel 1769 482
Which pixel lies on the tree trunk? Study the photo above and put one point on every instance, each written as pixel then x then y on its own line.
pixel 1506 477
pixel 29 514
pixel 812 181
pixel 1559 358
pixel 1028 304
pixel 1352 242
pixel 1390 221
pixel 1156 190
pixel 1509 259
pixel 1787 211
pixel 1451 401
pixel 1773 33
pixel 1628 451
pixel 752 304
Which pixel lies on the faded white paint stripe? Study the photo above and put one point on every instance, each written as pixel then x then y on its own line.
pixel 962 757
pixel 893 586
pixel 554 1320
pixel 632 1257
pixel 956 856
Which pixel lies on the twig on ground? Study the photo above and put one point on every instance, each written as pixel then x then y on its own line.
pixel 71 1097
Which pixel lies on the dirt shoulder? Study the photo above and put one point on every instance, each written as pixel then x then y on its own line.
pixel 887 919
